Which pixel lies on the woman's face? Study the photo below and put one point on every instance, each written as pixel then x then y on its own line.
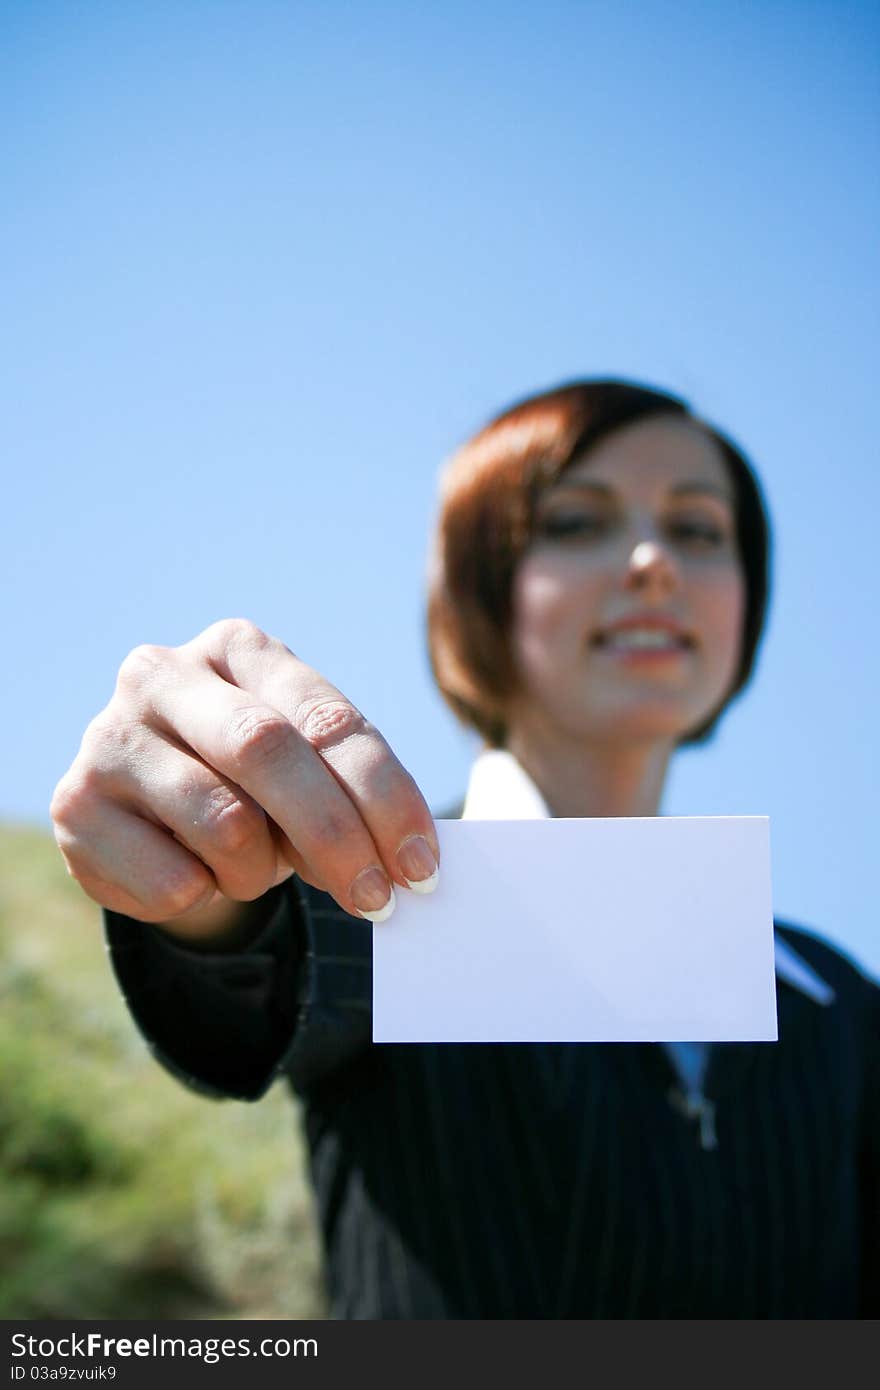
pixel 641 530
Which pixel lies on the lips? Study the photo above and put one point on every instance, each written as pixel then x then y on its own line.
pixel 647 630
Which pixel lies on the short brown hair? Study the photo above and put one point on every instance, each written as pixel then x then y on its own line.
pixel 487 502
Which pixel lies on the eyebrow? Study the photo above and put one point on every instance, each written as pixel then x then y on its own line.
pixel 605 490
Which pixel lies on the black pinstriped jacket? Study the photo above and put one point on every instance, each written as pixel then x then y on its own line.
pixel 540 1180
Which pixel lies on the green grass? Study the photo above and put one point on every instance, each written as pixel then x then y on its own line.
pixel 123 1195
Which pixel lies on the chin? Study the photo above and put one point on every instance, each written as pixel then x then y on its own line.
pixel 666 724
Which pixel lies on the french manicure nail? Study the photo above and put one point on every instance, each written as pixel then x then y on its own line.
pixel 373 894
pixel 418 865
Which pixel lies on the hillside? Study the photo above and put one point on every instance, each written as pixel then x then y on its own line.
pixel 122 1194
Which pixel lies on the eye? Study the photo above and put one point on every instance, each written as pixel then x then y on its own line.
pixel 701 532
pixel 571 524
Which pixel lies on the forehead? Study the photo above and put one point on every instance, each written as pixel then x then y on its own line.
pixel 655 455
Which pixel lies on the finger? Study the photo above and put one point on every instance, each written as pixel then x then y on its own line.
pixel 211 816
pixel 389 803
pixel 385 794
pixel 252 744
pixel 129 865
pixel 289 859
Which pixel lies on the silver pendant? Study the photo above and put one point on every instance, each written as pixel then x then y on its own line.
pixel 696 1106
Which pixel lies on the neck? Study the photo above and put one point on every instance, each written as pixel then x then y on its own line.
pixel 594 779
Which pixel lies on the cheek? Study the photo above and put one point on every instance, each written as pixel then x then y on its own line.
pixel 547 608
pixel 723 614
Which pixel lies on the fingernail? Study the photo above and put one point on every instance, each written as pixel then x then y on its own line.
pixel 373 894
pixel 418 865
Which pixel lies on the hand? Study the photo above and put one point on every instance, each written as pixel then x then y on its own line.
pixel 222 766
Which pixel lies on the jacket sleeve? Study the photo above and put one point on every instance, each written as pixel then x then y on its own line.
pixel 295 1002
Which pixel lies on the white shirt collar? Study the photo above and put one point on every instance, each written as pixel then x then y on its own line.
pixel 499 788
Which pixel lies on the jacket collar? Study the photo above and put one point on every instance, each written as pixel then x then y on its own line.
pixel 499 788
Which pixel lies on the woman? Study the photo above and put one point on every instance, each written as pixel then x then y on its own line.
pixel 597 596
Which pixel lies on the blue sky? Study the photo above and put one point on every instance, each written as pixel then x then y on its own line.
pixel 268 263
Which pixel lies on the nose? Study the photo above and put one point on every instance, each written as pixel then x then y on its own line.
pixel 651 567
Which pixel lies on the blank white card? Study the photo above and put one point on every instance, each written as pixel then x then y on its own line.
pixel 584 930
